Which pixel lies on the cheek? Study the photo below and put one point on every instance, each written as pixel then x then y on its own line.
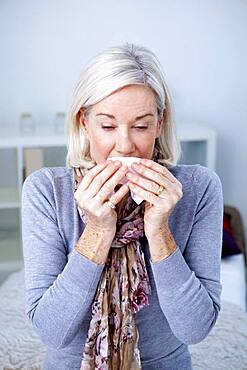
pixel 146 145
pixel 100 144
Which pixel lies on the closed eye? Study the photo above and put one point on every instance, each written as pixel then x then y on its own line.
pixel 137 127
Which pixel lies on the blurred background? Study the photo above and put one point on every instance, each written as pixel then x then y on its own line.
pixel 202 47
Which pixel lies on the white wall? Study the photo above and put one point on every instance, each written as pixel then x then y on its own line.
pixel 201 44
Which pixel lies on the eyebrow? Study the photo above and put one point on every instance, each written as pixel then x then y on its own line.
pixel 136 119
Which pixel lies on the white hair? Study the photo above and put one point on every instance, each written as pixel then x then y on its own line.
pixel 107 72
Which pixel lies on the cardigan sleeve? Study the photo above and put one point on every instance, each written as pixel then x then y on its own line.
pixel 188 284
pixel 54 285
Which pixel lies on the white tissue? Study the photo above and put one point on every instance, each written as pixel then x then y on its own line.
pixel 127 161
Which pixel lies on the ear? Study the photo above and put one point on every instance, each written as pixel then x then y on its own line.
pixel 82 121
pixel 159 128
pixel 161 123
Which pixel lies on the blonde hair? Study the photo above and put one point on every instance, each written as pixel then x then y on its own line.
pixel 107 72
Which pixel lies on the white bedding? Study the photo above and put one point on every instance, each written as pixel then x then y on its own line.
pixel 20 348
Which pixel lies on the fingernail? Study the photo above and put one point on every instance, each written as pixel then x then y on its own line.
pixel 135 165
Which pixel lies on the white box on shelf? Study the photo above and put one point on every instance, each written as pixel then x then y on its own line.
pixel 33 159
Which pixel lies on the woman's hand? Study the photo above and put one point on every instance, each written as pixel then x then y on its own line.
pixel 145 183
pixel 94 191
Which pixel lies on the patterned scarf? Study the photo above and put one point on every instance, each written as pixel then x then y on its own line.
pixel 123 289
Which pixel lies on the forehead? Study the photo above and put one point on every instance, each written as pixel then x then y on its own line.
pixel 128 100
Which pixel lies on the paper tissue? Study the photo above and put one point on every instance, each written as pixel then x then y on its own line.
pixel 127 161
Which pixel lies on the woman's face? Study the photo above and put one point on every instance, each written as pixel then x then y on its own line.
pixel 124 124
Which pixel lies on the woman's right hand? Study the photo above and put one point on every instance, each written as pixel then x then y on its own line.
pixel 94 191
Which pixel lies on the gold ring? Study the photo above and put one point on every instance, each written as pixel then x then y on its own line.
pixel 160 190
pixel 110 204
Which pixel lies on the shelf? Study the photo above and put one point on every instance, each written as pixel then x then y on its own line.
pixel 198 146
pixel 55 156
pixel 194 132
pixel 10 236
pixel 9 197
pixel 192 152
pixel 10 246
pixel 43 139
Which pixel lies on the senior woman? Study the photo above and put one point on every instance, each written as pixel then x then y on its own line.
pixel 112 282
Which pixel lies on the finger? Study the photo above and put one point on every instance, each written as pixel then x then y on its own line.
pixel 144 194
pixel 158 167
pixel 116 197
pixel 147 184
pixel 152 175
pixel 110 185
pixel 102 178
pixel 90 175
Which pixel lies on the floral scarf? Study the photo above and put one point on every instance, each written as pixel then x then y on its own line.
pixel 123 289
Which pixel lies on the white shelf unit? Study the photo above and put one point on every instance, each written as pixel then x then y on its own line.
pixel 201 144
pixel 198 143
pixel 10 196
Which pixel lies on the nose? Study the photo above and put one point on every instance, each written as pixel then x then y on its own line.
pixel 124 143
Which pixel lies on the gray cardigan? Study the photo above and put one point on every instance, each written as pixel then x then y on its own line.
pixel 61 283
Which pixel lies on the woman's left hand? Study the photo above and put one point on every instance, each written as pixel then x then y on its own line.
pixel 145 183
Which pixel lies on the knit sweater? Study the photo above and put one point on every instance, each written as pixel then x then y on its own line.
pixel 61 283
